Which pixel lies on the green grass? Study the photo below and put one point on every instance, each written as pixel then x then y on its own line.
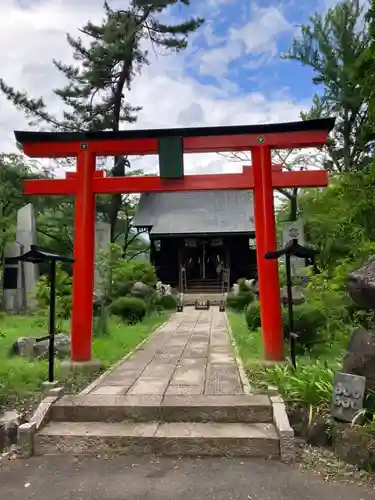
pixel 21 379
pixel 249 343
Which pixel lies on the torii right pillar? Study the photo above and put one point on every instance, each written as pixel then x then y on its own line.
pixel 268 273
pixel 265 233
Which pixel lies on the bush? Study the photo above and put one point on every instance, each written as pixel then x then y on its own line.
pixel 127 272
pixel 168 302
pixel 123 273
pixel 130 309
pixel 63 292
pixel 309 384
pixel 239 301
pixel 309 318
pixel 252 315
pixel 245 285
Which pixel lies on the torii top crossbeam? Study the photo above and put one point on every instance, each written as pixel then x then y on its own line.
pixel 171 144
pixel 301 134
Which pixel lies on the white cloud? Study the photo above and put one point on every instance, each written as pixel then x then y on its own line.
pixel 32 36
pixel 257 37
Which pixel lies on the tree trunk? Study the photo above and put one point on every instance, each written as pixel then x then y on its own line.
pixel 119 162
pixel 293 205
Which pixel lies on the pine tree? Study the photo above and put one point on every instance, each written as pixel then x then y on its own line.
pixel 367 72
pixel 95 96
pixel 333 45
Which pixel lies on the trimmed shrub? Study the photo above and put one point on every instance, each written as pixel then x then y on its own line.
pixel 308 319
pixel 239 301
pixel 130 309
pixel 63 292
pixel 252 315
pixel 168 302
pixel 127 272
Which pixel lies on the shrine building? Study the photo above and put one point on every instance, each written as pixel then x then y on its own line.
pixel 200 241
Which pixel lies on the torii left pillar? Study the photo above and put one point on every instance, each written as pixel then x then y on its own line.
pixel 84 250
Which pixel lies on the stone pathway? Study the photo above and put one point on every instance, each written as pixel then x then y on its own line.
pixel 190 355
pixel 179 394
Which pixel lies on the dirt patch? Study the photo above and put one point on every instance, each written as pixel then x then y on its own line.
pixel 323 462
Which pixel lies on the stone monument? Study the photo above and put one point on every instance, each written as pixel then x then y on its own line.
pixel 295 231
pixel 13 294
pixel 347 396
pixel 360 355
pixel 25 237
pixel 102 243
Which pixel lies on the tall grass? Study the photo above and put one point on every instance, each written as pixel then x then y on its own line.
pixel 309 384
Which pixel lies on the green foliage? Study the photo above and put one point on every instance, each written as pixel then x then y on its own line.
pixel 239 301
pixel 118 275
pixel 252 315
pixel 339 221
pixel 168 302
pixel 101 322
pixel 249 342
pixel 130 309
pixel 63 292
pixel 332 45
pixel 96 95
pixel 317 324
pixel 13 170
pixel 309 318
pixel 128 272
pixel 243 285
pixel 311 383
pixel 21 380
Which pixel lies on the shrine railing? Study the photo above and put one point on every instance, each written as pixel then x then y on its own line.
pixel 225 281
pixel 183 280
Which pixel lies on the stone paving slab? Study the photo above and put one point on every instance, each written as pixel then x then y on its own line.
pixel 176 438
pixel 190 355
pixel 170 408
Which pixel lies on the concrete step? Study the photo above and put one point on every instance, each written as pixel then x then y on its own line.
pixel 184 408
pixel 175 439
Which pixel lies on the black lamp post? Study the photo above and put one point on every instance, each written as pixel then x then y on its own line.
pixel 309 255
pixel 37 255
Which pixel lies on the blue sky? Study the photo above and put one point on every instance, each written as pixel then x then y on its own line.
pixel 230 74
pixel 253 68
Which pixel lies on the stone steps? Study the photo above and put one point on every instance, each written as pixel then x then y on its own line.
pixel 173 439
pixel 189 298
pixel 180 394
pixel 186 425
pixel 198 408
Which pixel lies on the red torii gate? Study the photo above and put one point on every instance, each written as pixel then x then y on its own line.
pixel 86 182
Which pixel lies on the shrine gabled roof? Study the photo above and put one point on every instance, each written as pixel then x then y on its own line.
pixel 196 213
